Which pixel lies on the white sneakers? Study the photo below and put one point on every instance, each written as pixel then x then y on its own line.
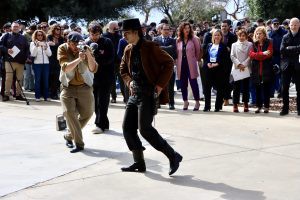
pixel 97 130
pixel 37 100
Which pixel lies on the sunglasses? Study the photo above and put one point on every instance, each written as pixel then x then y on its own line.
pixel 276 24
pixel 44 26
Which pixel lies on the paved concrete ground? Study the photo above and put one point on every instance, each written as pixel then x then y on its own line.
pixel 227 156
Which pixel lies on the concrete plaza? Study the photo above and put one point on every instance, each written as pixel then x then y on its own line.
pixel 226 156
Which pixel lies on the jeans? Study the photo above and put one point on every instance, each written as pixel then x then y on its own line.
pixel 41 73
pixel 28 77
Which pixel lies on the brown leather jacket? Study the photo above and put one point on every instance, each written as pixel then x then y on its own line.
pixel 157 64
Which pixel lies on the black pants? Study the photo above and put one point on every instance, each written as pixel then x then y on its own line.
pixel 287 76
pixel 237 90
pixel 122 85
pixel 227 85
pixel 101 95
pixel 213 78
pixel 138 116
pixel 171 89
pixel 262 92
pixel 54 83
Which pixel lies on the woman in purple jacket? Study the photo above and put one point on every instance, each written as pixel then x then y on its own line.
pixel 188 50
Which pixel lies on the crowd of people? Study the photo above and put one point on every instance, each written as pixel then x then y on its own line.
pixel 257 60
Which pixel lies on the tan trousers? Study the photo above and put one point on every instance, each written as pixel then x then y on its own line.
pixel 19 68
pixel 78 108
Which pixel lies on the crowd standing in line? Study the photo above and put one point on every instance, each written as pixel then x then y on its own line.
pixel 57 61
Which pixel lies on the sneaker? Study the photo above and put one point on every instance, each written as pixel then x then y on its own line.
pixel 97 130
pixel 20 98
pixel 5 98
pixel 38 100
pixel 113 101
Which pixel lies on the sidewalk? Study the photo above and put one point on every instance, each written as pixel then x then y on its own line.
pixel 227 156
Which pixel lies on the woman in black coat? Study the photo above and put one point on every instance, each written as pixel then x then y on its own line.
pixel 214 70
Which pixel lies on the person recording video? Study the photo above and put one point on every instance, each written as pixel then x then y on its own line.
pixel 78 66
pixel 103 51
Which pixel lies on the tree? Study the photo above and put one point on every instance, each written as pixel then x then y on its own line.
pixel 269 9
pixel 74 9
pixel 239 6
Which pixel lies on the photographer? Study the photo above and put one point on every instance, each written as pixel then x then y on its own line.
pixel 78 66
pixel 41 52
pixel 146 69
pixel 103 51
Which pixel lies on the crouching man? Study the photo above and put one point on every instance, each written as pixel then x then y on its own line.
pixel 77 73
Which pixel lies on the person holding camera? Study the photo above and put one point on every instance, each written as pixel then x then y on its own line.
pixel 146 69
pixel 103 51
pixel 78 66
pixel 41 52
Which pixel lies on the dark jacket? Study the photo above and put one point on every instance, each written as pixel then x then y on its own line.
pixel 157 65
pixel 115 38
pixel 104 56
pixel 169 45
pixel 290 50
pixel 8 41
pixel 276 36
pixel 261 65
pixel 221 57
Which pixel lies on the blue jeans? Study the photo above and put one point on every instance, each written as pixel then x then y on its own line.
pixel 28 77
pixel 41 74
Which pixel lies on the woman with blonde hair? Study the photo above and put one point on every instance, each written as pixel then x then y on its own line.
pixel 262 74
pixel 41 52
pixel 188 51
pixel 214 70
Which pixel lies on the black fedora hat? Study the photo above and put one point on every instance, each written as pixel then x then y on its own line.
pixel 131 24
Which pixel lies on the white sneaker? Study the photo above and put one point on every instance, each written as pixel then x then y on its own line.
pixel 97 130
pixel 37 100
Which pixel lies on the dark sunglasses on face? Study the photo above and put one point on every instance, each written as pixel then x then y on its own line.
pixel 276 24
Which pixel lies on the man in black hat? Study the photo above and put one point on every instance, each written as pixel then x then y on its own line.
pixel 146 69
pixel 78 66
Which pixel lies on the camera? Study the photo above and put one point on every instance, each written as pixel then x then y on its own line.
pixel 82 46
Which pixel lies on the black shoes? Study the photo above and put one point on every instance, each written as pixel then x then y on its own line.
pixel 206 109
pixel 113 101
pixel 171 107
pixel 76 149
pixel 174 163
pixel 5 98
pixel 284 112
pixel 135 167
pixel 20 98
pixel 69 143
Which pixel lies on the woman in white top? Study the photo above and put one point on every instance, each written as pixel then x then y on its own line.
pixel 240 70
pixel 41 52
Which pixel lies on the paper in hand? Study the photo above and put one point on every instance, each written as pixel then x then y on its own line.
pixel 16 50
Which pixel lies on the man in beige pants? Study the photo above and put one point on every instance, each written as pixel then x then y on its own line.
pixel 77 72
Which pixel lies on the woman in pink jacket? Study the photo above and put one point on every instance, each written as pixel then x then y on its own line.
pixel 188 50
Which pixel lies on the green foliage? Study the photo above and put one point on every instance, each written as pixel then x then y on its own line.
pixel 75 9
pixel 269 9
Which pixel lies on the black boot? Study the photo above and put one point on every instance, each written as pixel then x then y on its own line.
pixel 174 158
pixel 139 162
